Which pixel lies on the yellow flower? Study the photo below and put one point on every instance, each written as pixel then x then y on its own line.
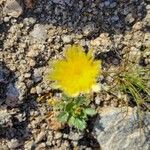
pixel 52 102
pixel 76 73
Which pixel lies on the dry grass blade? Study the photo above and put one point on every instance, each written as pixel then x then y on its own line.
pixel 52 121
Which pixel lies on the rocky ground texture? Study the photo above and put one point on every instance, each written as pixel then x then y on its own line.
pixel 31 35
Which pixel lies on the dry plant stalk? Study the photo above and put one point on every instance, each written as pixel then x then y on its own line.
pixel 52 121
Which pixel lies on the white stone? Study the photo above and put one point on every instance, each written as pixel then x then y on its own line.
pixel 39 33
pixel 66 38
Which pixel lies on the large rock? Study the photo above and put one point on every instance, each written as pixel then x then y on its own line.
pixel 117 129
pixel 13 8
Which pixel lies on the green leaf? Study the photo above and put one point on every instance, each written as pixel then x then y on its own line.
pixel 69 107
pixel 90 111
pixel 59 106
pixel 71 121
pixel 63 117
pixel 80 124
pixel 80 100
pixel 66 98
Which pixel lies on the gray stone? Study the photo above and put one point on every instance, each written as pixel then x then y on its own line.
pixel 12 95
pixel 114 18
pixel 112 5
pixel 13 8
pixel 39 33
pixel 107 3
pixel 118 129
pixel 37 75
pixel 129 18
pixel 89 28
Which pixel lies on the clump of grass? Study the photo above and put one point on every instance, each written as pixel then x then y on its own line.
pixel 134 83
pixel 132 79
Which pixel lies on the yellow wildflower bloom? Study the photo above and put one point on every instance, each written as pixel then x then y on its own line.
pixel 52 102
pixel 76 73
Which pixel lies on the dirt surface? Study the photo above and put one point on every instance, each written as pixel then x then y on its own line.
pixel 34 32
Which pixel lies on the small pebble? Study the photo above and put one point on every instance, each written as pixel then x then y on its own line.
pixel 66 39
pixel 58 135
pixel 13 144
pixel 41 136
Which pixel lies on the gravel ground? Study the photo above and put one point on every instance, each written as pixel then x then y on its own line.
pixel 31 36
